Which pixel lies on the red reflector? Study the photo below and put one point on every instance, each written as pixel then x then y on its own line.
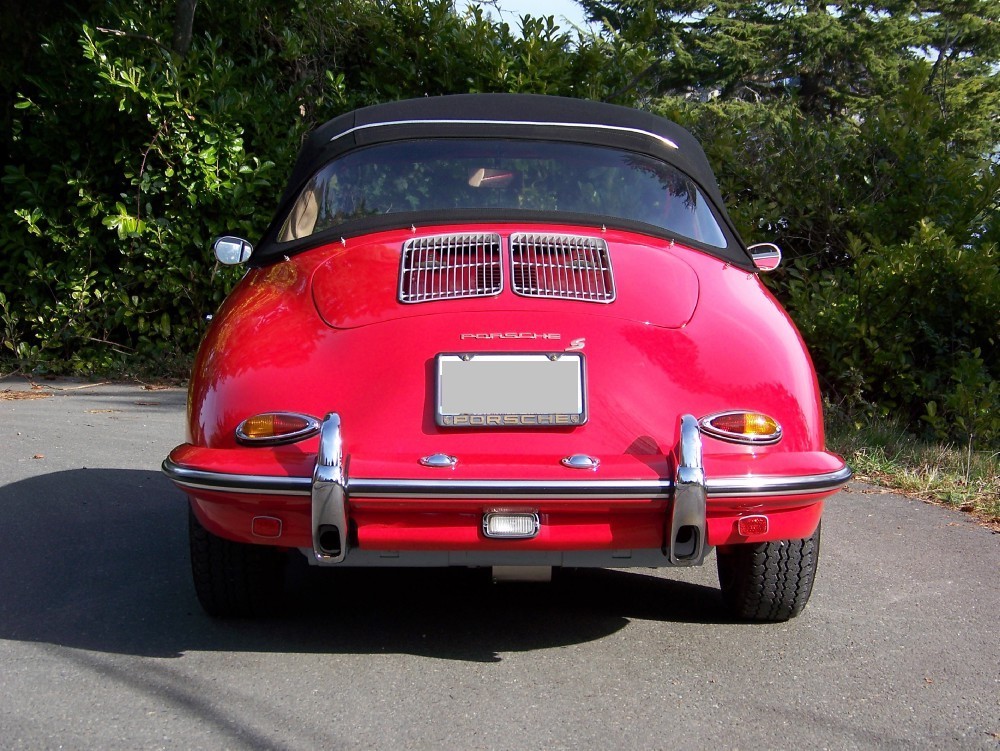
pixel 749 526
pixel 266 526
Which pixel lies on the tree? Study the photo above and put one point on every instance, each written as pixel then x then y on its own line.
pixel 830 57
pixel 143 131
pixel 864 139
pixel 184 25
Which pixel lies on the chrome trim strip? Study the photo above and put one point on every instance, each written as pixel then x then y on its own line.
pixel 589 126
pixel 751 487
pixel 719 487
pixel 223 482
pixel 512 489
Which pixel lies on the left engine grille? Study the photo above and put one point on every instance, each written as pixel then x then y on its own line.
pixel 450 267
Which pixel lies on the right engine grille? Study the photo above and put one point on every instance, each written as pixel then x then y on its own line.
pixel 567 267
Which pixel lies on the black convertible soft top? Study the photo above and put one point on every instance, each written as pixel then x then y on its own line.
pixel 521 116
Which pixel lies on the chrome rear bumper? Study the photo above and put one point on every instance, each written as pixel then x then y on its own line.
pixel 330 490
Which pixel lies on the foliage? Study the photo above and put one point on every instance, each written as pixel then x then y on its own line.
pixel 830 57
pixel 909 330
pixel 870 152
pixel 127 157
pixel 861 137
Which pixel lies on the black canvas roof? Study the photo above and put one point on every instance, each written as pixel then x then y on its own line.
pixel 529 116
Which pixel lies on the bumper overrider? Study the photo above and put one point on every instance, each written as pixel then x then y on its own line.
pixel 693 511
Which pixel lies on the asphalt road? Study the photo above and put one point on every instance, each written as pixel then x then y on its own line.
pixel 103 645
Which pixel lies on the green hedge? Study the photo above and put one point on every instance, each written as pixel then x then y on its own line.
pixel 125 158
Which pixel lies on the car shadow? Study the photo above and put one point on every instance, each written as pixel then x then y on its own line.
pixel 97 559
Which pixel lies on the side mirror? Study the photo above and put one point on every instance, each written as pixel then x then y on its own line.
pixel 232 251
pixel 766 256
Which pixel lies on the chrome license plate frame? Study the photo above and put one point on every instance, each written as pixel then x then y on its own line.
pixel 510 390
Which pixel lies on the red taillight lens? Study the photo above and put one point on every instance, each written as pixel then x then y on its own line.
pixel 272 428
pixel 742 427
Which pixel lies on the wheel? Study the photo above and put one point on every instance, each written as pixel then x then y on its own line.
pixel 234 579
pixel 768 581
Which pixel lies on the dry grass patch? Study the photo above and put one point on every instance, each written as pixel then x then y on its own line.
pixel 883 453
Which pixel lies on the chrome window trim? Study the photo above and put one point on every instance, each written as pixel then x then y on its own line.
pixel 588 126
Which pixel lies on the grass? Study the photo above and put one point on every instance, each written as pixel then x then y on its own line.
pixel 883 453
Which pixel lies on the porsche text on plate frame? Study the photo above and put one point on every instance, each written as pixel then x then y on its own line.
pixel 504 331
pixel 529 389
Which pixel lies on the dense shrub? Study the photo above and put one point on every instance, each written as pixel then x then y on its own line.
pixel 909 330
pixel 126 161
pixel 890 235
pixel 124 157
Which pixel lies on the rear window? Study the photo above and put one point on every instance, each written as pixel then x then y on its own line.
pixel 437 176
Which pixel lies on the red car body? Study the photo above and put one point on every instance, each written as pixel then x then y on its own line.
pixel 430 399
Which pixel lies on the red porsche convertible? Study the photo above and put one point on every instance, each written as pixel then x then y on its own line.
pixel 505 331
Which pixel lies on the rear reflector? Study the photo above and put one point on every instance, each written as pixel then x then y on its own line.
pixel 510 526
pixel 749 526
pixel 266 526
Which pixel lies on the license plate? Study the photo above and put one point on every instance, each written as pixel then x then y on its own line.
pixel 510 390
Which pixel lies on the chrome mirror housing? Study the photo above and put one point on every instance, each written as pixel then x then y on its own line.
pixel 232 251
pixel 766 256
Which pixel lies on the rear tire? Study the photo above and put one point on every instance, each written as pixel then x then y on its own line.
pixel 234 579
pixel 768 581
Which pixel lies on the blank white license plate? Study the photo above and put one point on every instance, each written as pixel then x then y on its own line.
pixel 495 391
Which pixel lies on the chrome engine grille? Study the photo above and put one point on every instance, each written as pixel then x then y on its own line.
pixel 567 267
pixel 450 266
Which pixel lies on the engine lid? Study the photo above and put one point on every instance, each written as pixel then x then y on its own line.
pixel 402 275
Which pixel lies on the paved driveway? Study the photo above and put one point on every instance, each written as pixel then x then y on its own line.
pixel 103 645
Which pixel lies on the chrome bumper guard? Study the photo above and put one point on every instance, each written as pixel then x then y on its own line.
pixel 329 494
pixel 686 532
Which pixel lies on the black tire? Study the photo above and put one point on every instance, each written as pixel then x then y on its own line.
pixel 234 579
pixel 768 581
